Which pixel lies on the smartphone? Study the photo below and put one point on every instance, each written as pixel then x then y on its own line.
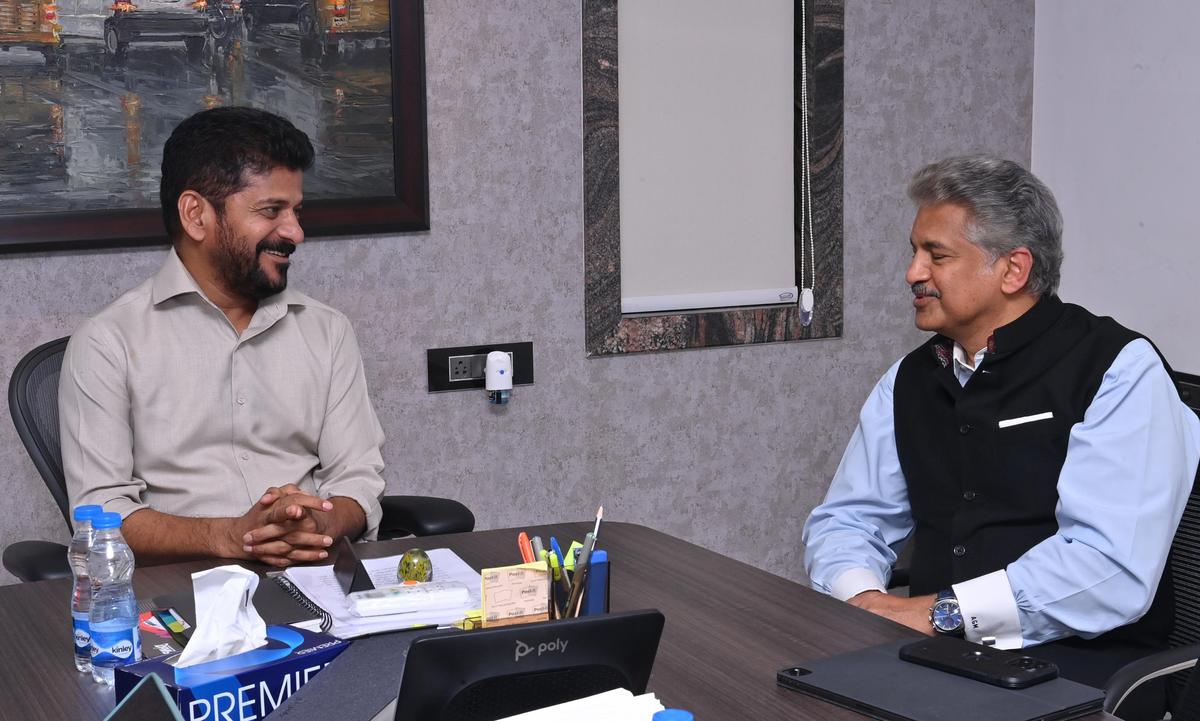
pixel 1008 669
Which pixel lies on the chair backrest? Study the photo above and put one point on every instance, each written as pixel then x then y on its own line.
pixel 33 402
pixel 1185 550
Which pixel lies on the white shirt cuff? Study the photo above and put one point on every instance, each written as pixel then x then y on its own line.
pixel 853 582
pixel 989 610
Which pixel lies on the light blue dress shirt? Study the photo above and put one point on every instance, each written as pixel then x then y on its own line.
pixel 1129 468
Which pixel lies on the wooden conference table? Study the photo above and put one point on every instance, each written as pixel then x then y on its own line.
pixel 729 626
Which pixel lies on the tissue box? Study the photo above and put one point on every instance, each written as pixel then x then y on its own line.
pixel 243 687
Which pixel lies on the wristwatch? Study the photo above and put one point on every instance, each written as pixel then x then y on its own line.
pixel 945 615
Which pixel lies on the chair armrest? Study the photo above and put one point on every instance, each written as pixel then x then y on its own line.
pixel 1135 673
pixel 423 516
pixel 37 560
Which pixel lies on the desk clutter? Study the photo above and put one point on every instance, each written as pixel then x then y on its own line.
pixel 240 646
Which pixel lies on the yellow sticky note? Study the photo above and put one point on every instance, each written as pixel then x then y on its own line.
pixel 516 594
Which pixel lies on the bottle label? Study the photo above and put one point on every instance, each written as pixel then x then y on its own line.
pixel 116 648
pixel 83 639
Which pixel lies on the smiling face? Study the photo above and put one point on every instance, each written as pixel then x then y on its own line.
pixel 958 290
pixel 257 230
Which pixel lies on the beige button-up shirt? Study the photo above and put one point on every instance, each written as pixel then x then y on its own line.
pixel 163 405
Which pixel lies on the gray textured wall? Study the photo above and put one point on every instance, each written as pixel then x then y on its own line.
pixel 736 463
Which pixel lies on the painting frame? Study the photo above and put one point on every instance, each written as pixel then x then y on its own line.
pixel 405 210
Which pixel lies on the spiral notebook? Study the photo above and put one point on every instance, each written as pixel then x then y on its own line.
pixel 277 600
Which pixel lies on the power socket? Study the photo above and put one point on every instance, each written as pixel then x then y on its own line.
pixel 470 367
pixel 460 368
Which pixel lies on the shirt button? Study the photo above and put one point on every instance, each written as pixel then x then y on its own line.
pixel 965 428
pixel 246 457
pixel 968 495
pixel 960 550
pixel 241 401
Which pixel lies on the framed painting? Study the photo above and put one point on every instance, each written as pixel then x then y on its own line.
pixel 90 91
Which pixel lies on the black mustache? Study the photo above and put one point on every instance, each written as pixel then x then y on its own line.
pixel 279 246
pixel 921 291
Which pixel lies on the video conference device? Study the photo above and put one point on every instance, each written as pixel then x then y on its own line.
pixel 513 669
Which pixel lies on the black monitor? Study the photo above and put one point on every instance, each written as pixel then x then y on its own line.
pixel 494 673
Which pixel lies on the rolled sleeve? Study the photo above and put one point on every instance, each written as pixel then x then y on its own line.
pixel 351 437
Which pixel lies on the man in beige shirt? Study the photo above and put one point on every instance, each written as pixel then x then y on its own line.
pixel 219 412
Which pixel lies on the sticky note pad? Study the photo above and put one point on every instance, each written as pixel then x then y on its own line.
pixel 516 594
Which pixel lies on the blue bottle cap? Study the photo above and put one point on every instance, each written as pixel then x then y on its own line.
pixel 88 511
pixel 106 520
pixel 673 714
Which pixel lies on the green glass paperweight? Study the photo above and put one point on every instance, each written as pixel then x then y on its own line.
pixel 415 566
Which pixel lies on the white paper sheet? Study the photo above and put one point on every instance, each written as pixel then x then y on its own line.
pixel 320 585
pixel 616 705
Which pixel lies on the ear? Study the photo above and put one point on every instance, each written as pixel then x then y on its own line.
pixel 194 215
pixel 1016 269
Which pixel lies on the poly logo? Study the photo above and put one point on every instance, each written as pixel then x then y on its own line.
pixel 523 649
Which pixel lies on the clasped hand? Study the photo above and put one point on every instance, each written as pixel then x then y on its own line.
pixel 286 526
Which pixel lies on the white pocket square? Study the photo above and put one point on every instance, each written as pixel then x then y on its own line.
pixel 1026 419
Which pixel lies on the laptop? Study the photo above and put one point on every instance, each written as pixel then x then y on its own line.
pixel 876 683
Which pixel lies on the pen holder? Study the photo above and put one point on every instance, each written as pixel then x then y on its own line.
pixel 595 601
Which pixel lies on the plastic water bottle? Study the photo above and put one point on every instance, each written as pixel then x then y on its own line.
pixel 81 592
pixel 114 616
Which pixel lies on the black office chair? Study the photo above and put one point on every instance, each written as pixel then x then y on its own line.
pixel 33 401
pixel 1178 660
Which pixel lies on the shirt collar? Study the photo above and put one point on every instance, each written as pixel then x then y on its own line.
pixel 961 360
pixel 173 279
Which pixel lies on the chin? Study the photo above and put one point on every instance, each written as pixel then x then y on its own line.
pixel 927 324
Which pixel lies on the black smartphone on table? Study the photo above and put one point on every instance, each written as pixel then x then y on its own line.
pixel 1007 669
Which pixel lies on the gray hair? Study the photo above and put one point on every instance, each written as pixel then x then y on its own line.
pixel 1009 207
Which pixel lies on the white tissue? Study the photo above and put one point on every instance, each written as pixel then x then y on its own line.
pixel 226 621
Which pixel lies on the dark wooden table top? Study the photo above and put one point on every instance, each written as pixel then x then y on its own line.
pixel 729 626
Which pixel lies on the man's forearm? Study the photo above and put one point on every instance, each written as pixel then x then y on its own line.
pixel 157 537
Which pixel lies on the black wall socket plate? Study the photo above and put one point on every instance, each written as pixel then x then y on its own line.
pixel 438 364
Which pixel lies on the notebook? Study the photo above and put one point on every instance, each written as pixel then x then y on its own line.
pixel 875 682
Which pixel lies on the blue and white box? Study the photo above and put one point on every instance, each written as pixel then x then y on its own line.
pixel 243 687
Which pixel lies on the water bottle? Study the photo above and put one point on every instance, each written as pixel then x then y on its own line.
pixel 673 714
pixel 113 619
pixel 81 592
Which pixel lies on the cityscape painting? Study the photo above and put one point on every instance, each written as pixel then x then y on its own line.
pixel 91 89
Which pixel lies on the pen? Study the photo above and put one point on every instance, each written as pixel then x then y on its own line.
pixel 538 548
pixel 526 549
pixel 557 552
pixel 599 515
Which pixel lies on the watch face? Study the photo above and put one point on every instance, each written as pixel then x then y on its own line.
pixel 945 616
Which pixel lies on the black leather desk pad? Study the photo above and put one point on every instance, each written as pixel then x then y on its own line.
pixel 874 681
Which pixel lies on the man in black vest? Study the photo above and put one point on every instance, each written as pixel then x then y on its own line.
pixel 1037 457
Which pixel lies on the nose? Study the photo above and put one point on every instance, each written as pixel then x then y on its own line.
pixel 291 230
pixel 918 270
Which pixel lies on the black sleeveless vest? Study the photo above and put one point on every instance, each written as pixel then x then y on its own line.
pixel 981 495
